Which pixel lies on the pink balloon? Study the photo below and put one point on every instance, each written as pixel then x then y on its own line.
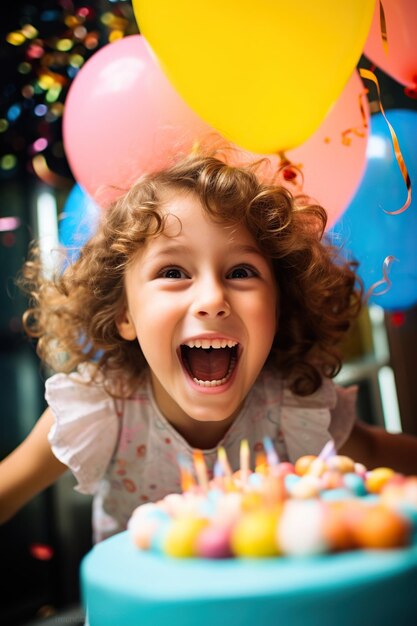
pixel 400 61
pixel 332 161
pixel 122 118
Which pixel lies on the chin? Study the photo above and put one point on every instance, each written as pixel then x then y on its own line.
pixel 209 418
pixel 212 414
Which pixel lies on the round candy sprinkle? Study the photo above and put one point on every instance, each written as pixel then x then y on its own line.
pixel 146 523
pixel 251 500
pixel 181 537
pixel 228 509
pixel 355 484
pixel 317 467
pixel 401 491
pixel 303 463
pixel 290 480
pixel 300 530
pixel 377 478
pixel 307 487
pixel 157 540
pixel 381 527
pixel 331 479
pixel 336 527
pixel 255 535
pixel 360 470
pixel 213 542
pixel 285 468
pixel 341 463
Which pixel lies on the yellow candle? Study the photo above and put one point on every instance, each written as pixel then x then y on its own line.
pixel 244 460
pixel 200 469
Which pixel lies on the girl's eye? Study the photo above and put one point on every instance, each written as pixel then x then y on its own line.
pixel 172 272
pixel 242 272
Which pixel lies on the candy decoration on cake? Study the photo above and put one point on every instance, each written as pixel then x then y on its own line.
pixel 321 504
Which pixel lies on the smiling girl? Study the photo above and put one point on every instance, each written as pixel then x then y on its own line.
pixel 206 309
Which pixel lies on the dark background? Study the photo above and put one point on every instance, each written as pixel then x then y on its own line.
pixel 42 546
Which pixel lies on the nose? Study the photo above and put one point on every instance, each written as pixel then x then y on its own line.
pixel 210 300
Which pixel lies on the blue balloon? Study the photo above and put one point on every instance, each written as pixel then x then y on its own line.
pixel 78 221
pixel 368 234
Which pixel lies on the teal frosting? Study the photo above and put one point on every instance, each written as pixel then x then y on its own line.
pixel 123 586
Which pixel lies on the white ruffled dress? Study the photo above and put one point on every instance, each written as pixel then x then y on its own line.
pixel 125 451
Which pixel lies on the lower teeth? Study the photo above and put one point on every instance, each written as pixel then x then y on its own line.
pixel 210 383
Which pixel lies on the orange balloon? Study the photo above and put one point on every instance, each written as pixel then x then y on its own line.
pixel 333 159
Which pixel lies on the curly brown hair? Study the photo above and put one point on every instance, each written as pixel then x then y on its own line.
pixel 74 314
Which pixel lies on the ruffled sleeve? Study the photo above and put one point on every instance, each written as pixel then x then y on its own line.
pixel 344 414
pixel 85 431
pixel 308 423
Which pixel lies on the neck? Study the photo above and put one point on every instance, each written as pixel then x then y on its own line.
pixel 203 435
pixel 199 433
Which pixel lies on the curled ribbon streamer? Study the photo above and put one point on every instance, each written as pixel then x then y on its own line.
pixel 383 25
pixel 359 131
pixel 386 267
pixel 367 74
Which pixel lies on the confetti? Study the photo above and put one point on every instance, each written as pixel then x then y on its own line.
pixel 45 49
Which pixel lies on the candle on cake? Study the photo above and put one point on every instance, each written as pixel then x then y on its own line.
pixel 322 503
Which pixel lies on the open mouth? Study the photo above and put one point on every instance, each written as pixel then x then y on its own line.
pixel 210 362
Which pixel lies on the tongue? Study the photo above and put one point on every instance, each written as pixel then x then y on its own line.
pixel 211 364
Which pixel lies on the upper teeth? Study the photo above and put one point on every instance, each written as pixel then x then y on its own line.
pixel 211 343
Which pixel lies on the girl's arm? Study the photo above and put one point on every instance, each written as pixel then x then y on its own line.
pixel 29 469
pixel 375 447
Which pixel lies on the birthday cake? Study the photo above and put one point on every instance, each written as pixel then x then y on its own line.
pixel 320 542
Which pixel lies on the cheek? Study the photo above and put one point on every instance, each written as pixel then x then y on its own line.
pixel 155 330
pixel 266 313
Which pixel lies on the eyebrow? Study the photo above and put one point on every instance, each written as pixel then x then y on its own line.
pixel 246 249
pixel 176 248
pixel 170 249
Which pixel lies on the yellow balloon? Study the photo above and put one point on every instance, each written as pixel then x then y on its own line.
pixel 264 73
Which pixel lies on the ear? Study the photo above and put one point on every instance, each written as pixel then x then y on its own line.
pixel 125 326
